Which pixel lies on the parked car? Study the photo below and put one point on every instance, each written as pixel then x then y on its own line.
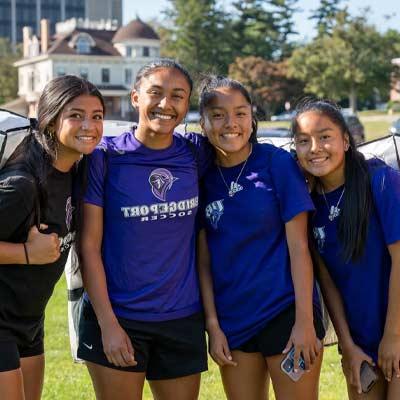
pixel 355 126
pixel 285 116
pixel 273 132
pixel 192 117
pixel 279 137
pixel 395 128
pixel 115 127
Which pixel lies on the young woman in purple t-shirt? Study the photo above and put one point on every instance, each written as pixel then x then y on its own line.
pixel 357 235
pixel 255 268
pixel 142 314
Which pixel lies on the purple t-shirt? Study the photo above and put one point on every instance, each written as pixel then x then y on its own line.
pixel 364 284
pixel 150 200
pixel 247 240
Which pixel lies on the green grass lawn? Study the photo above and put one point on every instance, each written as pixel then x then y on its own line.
pixel 65 380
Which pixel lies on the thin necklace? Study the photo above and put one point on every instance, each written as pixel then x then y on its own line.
pixel 234 188
pixel 334 211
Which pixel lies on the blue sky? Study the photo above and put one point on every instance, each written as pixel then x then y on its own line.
pixel 148 9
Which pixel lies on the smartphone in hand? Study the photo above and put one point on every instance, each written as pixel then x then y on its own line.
pixel 287 366
pixel 368 376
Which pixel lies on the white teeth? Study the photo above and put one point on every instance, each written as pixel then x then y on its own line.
pixel 162 116
pixel 318 160
pixel 86 138
pixel 230 135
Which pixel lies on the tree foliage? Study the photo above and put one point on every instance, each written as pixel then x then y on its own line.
pixel 353 61
pixel 8 74
pixel 253 29
pixel 197 34
pixel 325 15
pixel 262 28
pixel 266 81
pixel 284 11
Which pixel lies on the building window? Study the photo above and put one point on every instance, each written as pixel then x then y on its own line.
pixel 146 51
pixel 60 71
pixel 84 73
pixel 128 51
pixel 128 76
pixel 105 75
pixel 83 45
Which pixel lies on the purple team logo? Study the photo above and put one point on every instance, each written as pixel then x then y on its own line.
pixel 214 212
pixel 68 213
pixel 161 181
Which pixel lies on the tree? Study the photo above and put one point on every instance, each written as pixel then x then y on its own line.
pixel 267 82
pixel 254 29
pixel 8 73
pixel 283 12
pixel 261 28
pixel 353 61
pixel 391 39
pixel 325 15
pixel 196 34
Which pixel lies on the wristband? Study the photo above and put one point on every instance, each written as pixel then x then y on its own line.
pixel 26 254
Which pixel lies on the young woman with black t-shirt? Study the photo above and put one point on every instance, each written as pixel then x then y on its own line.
pixel 70 124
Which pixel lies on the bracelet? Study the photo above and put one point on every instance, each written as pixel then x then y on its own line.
pixel 26 254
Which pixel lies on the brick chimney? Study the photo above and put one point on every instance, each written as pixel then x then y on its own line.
pixel 26 40
pixel 44 35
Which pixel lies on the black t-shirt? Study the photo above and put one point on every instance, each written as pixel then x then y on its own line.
pixel 26 289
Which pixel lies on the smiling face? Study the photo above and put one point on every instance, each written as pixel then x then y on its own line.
pixel 321 147
pixel 227 122
pixel 78 128
pixel 162 100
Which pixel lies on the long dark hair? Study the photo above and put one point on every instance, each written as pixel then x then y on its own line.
pixel 357 198
pixel 207 88
pixel 38 151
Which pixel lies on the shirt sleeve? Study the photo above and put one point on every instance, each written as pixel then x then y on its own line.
pixel 96 178
pixel 386 195
pixel 204 151
pixel 290 185
pixel 16 204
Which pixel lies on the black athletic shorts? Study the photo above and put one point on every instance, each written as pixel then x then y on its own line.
pixel 164 350
pixel 12 350
pixel 273 338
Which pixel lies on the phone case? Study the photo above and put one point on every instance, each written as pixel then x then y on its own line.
pixel 287 366
pixel 368 377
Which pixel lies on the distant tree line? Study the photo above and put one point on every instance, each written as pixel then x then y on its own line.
pixel 255 41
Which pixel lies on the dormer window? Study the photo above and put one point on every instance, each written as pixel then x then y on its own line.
pixel 82 46
pixel 82 42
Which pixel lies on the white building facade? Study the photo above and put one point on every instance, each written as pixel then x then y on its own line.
pixel 108 57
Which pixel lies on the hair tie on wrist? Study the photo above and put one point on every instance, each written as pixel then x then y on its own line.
pixel 26 254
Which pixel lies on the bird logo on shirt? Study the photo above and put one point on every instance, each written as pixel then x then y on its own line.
pixel 161 181
pixel 214 212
